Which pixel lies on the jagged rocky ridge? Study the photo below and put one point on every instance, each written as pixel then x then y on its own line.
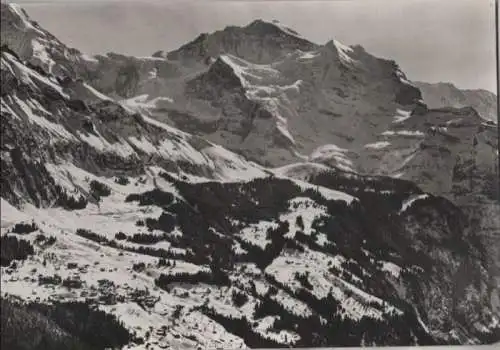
pixel 190 245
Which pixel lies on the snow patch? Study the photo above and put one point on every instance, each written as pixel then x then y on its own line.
pixel 101 144
pixel 392 268
pixel 410 201
pixel 343 51
pixel 416 133
pixel 40 52
pixel 143 144
pixel 378 145
pixel 309 55
pixel 88 58
pixel 308 210
pixel 401 115
pixel 96 93
pixel 255 234
pixel 333 152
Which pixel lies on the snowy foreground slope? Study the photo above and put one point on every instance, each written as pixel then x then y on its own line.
pixel 120 231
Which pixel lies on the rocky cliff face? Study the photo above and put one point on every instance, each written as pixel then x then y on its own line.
pixel 449 152
pixel 371 239
pixel 448 95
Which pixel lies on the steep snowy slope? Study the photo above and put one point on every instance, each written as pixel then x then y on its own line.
pixel 39 47
pixel 97 134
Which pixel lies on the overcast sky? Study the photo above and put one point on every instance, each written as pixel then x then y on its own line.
pixel 432 40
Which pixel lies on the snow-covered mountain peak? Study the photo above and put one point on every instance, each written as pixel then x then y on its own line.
pixel 258 42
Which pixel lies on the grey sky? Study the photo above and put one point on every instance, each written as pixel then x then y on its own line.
pixel 432 40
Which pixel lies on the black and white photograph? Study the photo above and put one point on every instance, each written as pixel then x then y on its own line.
pixel 249 174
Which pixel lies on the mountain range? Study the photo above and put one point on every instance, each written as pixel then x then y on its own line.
pixel 440 95
pixel 249 189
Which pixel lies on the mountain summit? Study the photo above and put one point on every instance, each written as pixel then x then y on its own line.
pixel 259 42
